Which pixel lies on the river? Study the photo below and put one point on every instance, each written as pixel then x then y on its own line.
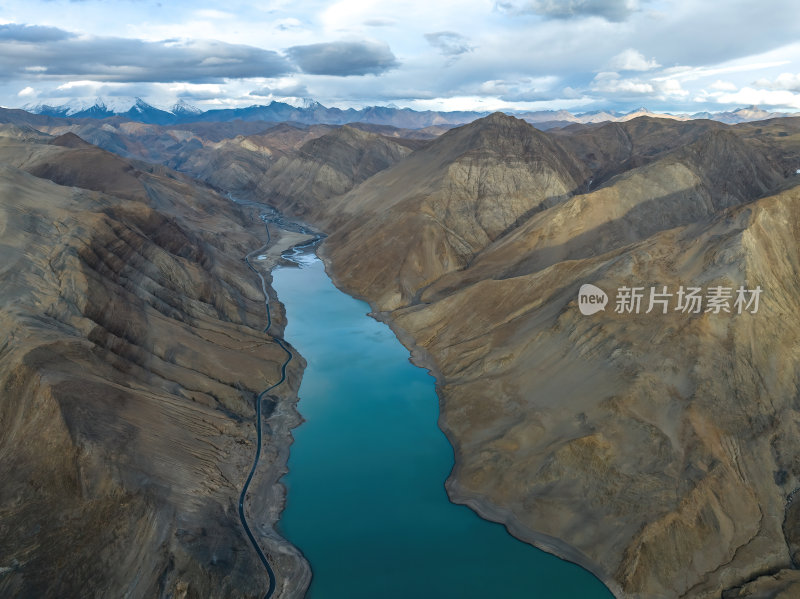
pixel 366 502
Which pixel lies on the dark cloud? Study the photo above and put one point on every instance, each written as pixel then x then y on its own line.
pixel 611 10
pixel 64 55
pixel 448 43
pixel 343 58
pixel 32 33
pixel 707 35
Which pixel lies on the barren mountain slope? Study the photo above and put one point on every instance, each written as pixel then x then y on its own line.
pixel 291 165
pixel 325 167
pixel 235 156
pixel 432 212
pixel 610 148
pixel 658 450
pixel 131 350
pixel 690 184
pixel 237 164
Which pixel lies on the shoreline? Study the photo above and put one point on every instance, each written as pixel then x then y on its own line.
pixel 483 508
pixel 266 493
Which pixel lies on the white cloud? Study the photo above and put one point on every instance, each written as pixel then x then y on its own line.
pixel 195 91
pixel 214 15
pixel 96 86
pixel 694 73
pixel 606 52
pixel 282 87
pixel 670 89
pixel 632 60
pixel 491 104
pixel 526 89
pixel 723 86
pixel 26 92
pixel 612 83
pixel 786 81
pixel 761 97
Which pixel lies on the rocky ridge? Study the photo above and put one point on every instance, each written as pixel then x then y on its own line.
pixel 132 350
pixel 657 450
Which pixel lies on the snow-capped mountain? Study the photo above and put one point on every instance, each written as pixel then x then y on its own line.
pixel 84 108
pixel 310 112
pixel 134 109
pixel 183 108
pixel 144 112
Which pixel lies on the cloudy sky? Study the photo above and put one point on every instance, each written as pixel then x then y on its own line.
pixel 580 55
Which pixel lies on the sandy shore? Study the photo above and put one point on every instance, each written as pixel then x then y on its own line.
pixel 269 257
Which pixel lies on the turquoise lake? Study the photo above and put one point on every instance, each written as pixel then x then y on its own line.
pixel 366 501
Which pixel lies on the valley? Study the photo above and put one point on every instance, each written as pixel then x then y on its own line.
pixel 657 451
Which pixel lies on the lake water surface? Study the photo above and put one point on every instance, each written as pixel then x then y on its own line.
pixel 366 501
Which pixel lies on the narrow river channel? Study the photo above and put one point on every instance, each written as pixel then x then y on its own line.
pixel 366 500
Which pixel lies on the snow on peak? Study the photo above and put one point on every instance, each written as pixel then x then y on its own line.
pixel 182 107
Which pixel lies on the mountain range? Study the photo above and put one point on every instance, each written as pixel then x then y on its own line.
pixel 313 112
pixel 658 450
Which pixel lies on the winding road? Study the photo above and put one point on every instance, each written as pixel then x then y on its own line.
pixel 257 457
